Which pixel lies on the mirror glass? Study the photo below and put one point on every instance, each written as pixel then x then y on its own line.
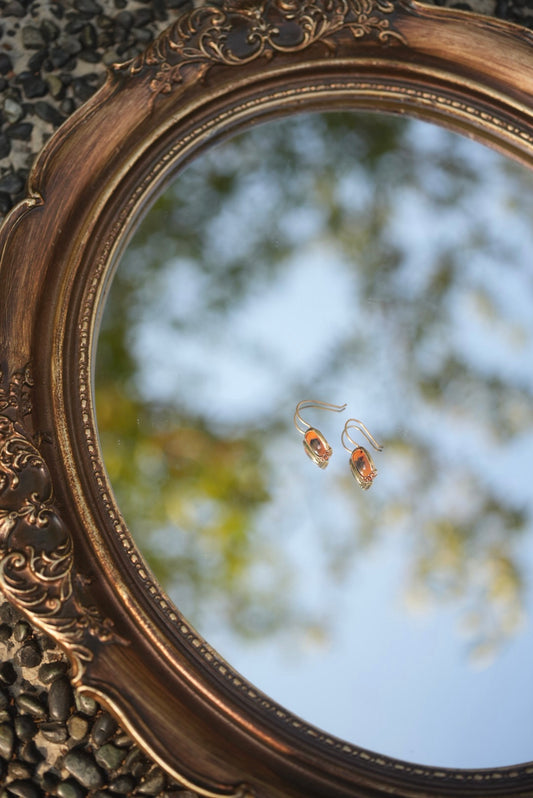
pixel 343 257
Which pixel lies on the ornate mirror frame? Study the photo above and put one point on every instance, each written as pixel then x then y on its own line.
pixel 67 559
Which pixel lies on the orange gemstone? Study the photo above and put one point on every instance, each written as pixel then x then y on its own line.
pixel 317 447
pixel 362 467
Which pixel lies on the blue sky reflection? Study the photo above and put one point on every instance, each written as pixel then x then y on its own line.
pixel 399 281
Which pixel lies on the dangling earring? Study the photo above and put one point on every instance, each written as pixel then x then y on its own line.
pixel 315 445
pixel 361 463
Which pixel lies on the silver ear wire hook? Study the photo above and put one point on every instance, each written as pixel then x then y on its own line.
pixel 361 463
pixel 315 444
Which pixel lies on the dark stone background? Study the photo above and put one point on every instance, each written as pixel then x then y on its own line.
pixel 53 56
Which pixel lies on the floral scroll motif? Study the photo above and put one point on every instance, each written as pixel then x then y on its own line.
pixel 36 551
pixel 241 32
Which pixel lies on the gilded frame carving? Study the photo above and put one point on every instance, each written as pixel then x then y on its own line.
pixel 66 558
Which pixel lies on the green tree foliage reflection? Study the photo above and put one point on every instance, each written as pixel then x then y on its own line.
pixel 192 495
pixel 197 483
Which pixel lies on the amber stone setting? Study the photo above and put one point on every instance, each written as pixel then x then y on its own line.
pixel 362 467
pixel 317 447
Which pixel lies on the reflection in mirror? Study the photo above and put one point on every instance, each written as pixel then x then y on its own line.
pixel 350 258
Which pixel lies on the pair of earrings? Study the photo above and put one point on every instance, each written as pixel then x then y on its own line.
pixel 319 450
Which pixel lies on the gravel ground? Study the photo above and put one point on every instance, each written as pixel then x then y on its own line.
pixel 53 57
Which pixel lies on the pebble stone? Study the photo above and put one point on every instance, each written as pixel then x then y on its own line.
pixel 50 782
pixel 21 631
pixel 140 767
pixel 21 131
pixel 122 740
pixel 12 110
pixel 89 7
pixel 83 767
pixel 30 704
pixel 8 614
pixel 32 38
pixel 49 30
pixel 78 727
pixel 7 673
pixel 103 727
pixel 13 184
pixel 86 704
pixel 25 727
pixel 54 732
pixel 109 756
pixel 124 784
pixel 51 670
pixel 7 740
pixel 30 656
pixel 69 789
pixel 48 113
pixel 29 752
pixel 33 86
pixel 6 64
pixel 60 699
pixel 133 759
pixel 153 783
pixel 56 87
pixel 24 788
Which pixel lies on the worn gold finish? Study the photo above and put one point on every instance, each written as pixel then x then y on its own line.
pixel 36 570
pixel 66 557
pixel 263 28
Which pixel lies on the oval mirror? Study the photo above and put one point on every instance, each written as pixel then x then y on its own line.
pixel 350 258
pixel 428 343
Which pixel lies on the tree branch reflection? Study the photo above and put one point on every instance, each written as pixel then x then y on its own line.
pixel 351 258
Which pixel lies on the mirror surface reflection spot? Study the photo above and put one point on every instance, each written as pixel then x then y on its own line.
pixel 352 258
